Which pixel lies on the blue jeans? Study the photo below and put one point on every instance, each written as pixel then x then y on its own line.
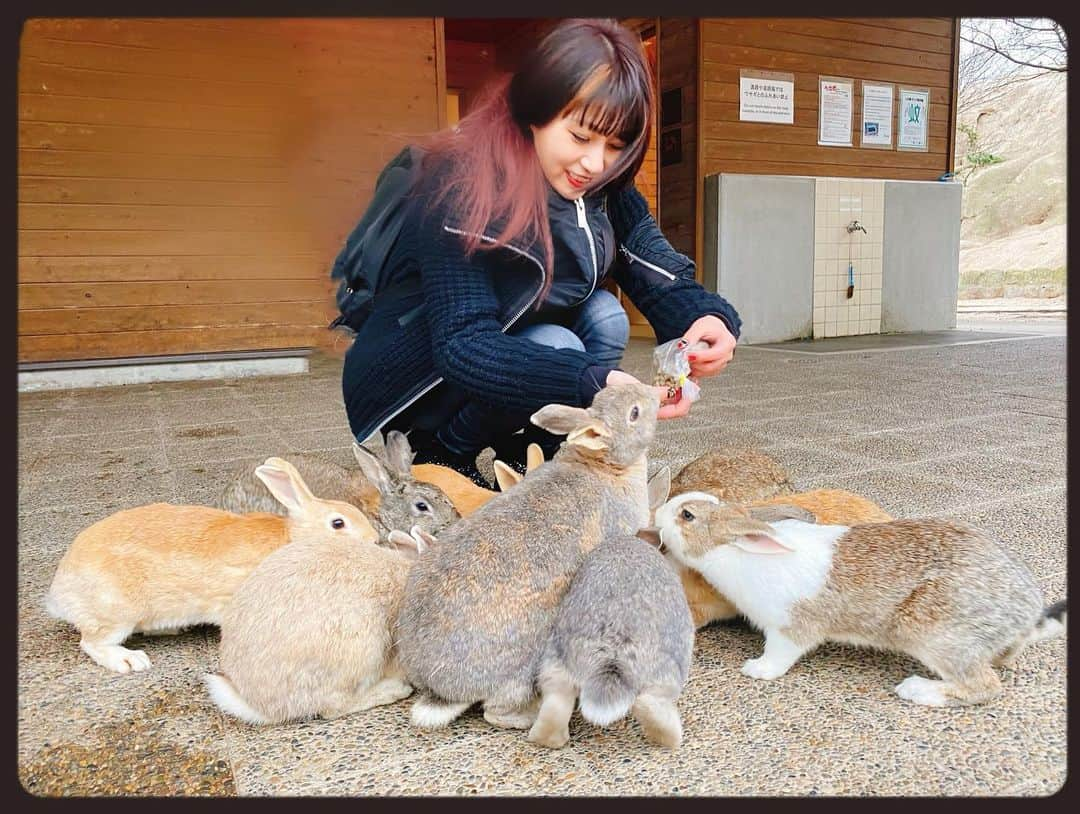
pixel 599 326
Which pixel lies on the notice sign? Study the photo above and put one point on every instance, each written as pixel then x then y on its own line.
pixel 766 97
pixel 834 111
pixel 877 105
pixel 913 124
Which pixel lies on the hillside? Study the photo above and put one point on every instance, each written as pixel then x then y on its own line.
pixel 1012 232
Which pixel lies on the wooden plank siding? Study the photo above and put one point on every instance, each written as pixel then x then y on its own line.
pixel 184 184
pixel 917 52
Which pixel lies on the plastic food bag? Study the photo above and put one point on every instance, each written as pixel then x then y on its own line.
pixel 673 368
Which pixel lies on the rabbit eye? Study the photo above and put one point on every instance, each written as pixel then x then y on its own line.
pixel 634 413
pixel 338 522
pixel 687 514
pixel 421 506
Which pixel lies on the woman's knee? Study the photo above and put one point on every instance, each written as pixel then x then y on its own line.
pixel 553 336
pixel 603 324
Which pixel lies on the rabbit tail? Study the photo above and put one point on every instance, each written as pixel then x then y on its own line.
pixel 607 695
pixel 224 694
pixel 1051 624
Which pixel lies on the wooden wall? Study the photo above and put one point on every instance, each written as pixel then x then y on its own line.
pixel 184 184
pixel 678 182
pixel 913 51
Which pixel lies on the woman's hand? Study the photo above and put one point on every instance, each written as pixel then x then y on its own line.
pixel 712 360
pixel 669 408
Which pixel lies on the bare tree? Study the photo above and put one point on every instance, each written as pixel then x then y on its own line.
pixel 995 55
pixel 999 52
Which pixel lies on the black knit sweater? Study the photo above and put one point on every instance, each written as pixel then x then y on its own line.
pixel 468 303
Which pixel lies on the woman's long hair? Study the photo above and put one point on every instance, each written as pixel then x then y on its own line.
pixel 596 69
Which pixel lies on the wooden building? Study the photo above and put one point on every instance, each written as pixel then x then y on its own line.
pixel 184 184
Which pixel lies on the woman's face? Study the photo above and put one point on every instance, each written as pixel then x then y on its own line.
pixel 571 155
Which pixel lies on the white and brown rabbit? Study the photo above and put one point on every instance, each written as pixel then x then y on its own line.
pixel 384 490
pixel 622 642
pixel 163 567
pixel 308 632
pixel 940 591
pixel 479 606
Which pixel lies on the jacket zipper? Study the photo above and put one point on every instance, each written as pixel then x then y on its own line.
pixel 631 256
pixel 583 222
pixel 438 380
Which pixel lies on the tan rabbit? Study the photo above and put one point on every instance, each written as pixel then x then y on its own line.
pixel 739 474
pixel 940 591
pixel 308 632
pixel 382 487
pixel 466 496
pixel 478 607
pixel 828 506
pixel 163 567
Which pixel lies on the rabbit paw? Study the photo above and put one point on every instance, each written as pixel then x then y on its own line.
pixel 921 690
pixel 118 659
pixel 544 733
pixel 762 668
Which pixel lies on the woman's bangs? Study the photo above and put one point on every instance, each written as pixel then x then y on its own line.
pixel 612 107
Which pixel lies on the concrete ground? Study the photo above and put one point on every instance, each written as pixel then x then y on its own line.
pixel 973 431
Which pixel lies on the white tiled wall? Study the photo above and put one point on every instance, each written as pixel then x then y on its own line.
pixel 837 202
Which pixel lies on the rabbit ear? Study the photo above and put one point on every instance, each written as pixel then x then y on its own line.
pixel 372 468
pixel 424 539
pixel 534 456
pixel 650 535
pixel 560 419
pixel 285 484
pixel 398 454
pixel 505 475
pixel 659 487
pixel 405 543
pixel 761 543
pixel 594 435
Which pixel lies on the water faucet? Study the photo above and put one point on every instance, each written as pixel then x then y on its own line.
pixel 855 226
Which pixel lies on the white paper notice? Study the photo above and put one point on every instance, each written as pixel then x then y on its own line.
pixel 877 115
pixel 766 100
pixel 834 113
pixel 911 134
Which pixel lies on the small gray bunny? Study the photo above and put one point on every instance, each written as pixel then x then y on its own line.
pixel 623 639
pixel 478 608
pixel 384 489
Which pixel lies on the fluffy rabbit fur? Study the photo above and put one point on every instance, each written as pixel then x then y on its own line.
pixel 383 489
pixel 479 606
pixel 308 632
pixel 622 640
pixel 940 591
pixel 160 568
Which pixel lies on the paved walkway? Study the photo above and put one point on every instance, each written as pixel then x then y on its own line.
pixel 973 431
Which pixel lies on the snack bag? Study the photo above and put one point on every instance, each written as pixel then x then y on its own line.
pixel 673 369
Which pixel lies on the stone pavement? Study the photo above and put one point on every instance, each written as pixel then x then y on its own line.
pixel 973 431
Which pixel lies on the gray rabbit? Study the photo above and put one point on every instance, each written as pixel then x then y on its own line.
pixel 384 490
pixel 478 608
pixel 623 639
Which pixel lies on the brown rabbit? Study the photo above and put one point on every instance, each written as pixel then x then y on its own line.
pixel 163 567
pixel 940 591
pixel 478 607
pixel 739 474
pixel 828 506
